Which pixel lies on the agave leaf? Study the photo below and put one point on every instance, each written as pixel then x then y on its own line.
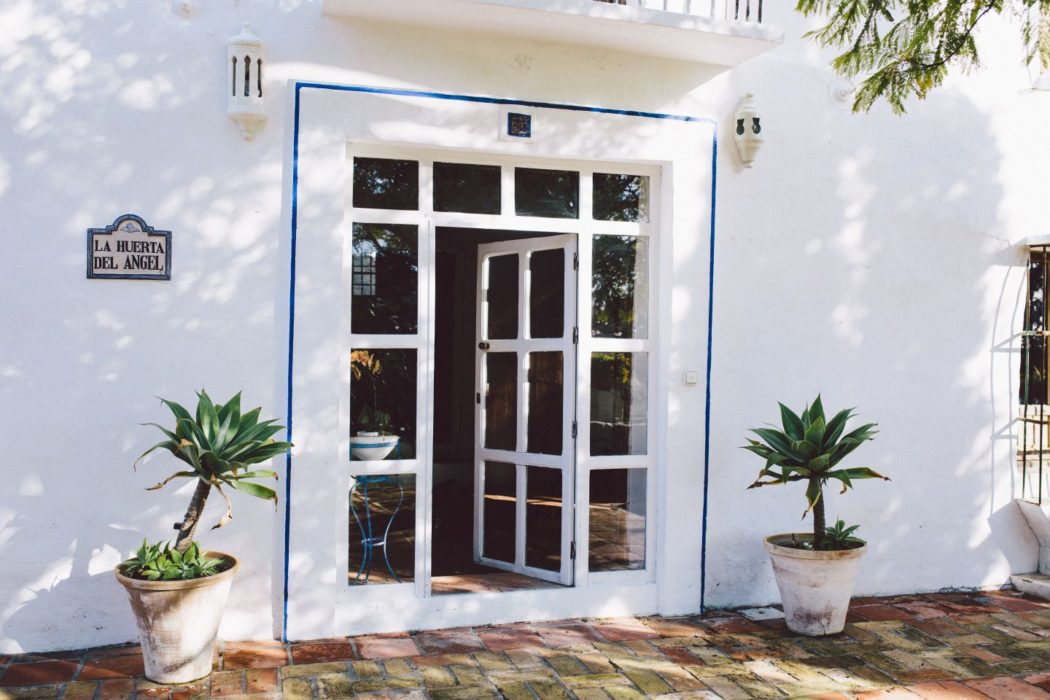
pixel 813 494
pixel 775 459
pixel 232 410
pixel 864 432
pixel 177 410
pixel 806 449
pixel 834 428
pixel 194 433
pixel 257 490
pixel 819 463
pixel 169 445
pixel 861 473
pixel 759 449
pixel 228 515
pixel 168 433
pixel 207 416
pixel 815 432
pixel 842 476
pixel 816 411
pixel 258 474
pixel 792 423
pixel 248 420
pixel 805 415
pixel 802 472
pixel 264 452
pixel 190 454
pixel 257 433
pixel 776 439
pixel 176 475
pixel 224 434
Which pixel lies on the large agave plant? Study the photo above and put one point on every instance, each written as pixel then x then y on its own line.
pixel 809 448
pixel 220 444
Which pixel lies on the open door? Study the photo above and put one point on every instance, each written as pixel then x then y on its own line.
pixel 525 417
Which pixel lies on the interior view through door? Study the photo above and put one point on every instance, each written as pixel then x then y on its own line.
pixel 504 410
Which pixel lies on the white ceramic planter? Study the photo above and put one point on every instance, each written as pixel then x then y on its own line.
pixel 178 622
pixel 815 587
pixel 372 446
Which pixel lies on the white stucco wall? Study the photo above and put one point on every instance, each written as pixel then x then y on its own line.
pixel 866 257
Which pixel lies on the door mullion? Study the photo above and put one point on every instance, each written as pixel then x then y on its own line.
pixel 519 525
pixel 583 407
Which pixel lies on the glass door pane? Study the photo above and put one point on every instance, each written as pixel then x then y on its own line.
pixel 543 518
pixel 500 511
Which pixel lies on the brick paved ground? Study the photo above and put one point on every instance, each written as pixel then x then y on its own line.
pixel 950 645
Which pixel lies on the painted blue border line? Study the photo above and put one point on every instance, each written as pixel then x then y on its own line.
pixel 406 92
pixel 707 396
pixel 291 358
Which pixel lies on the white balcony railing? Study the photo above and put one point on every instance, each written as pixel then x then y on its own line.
pixel 734 10
pixel 718 32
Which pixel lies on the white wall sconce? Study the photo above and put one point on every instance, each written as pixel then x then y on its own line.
pixel 244 87
pixel 747 130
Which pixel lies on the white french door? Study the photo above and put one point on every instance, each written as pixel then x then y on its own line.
pixel 525 411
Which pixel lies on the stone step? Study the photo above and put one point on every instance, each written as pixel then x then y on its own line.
pixel 1032 584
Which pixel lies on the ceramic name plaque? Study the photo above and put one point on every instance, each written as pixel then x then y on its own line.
pixel 128 250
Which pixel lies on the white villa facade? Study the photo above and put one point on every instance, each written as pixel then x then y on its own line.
pixel 501 269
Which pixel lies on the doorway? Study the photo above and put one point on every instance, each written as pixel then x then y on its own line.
pixel 504 397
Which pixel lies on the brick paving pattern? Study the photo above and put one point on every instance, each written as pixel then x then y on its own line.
pixel 933 647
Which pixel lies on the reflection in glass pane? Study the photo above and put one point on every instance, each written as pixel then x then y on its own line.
pixel 381 183
pixel 547 294
pixel 620 287
pixel 382 529
pixel 473 189
pixel 501 400
pixel 501 488
pixel 548 193
pixel 619 397
pixel 385 287
pixel 543 518
pixel 621 197
pixel 617 520
pixel 503 297
pixel 545 403
pixel 382 404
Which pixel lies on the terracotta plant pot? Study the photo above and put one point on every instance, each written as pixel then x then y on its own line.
pixel 178 622
pixel 815 587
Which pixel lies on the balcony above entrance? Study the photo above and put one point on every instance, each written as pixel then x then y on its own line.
pixel 718 32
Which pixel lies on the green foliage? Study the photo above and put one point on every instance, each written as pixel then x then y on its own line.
pixel 219 443
pixel 838 536
pixel 905 48
pixel 159 562
pixel 809 448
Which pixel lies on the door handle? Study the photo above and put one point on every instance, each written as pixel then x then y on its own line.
pixel 483 346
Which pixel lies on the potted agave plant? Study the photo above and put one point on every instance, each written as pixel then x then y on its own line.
pixel 178 592
pixel 815 572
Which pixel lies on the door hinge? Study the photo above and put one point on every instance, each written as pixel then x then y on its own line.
pixel 575 335
pixel 572 550
pixel 576 261
pixel 574 430
pixel 477 398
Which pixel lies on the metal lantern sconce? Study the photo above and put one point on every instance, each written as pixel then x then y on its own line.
pixel 244 87
pixel 747 130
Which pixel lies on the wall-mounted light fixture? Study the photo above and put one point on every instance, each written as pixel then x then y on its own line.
pixel 244 81
pixel 747 130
